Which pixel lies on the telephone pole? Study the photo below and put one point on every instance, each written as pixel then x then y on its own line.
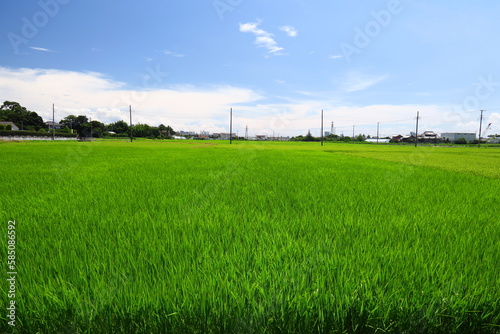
pixel 246 132
pixel 354 126
pixel 480 128
pixel 130 110
pixel 416 129
pixel 322 133
pixel 231 126
pixel 378 131
pixel 53 122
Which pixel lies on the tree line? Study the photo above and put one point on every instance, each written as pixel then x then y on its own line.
pixel 31 121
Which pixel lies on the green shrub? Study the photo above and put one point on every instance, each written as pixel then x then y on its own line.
pixel 461 141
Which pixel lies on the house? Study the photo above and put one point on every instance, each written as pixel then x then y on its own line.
pixel 14 127
pixel 53 125
pixel 397 138
pixel 429 137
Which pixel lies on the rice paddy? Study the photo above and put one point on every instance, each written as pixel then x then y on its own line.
pixel 207 237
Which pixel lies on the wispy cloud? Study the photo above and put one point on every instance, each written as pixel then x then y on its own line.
pixel 173 54
pixel 41 49
pixel 357 81
pixel 290 31
pixel 335 57
pixel 263 38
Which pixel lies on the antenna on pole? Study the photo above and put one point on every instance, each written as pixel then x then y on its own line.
pixel 322 133
pixel 416 129
pixel 130 109
pixel 480 128
pixel 231 126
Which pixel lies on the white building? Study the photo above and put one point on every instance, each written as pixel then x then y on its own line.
pixel 14 127
pixel 453 136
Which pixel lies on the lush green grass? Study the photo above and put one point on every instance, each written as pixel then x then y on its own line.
pixel 197 237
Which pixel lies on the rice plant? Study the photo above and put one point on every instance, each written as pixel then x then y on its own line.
pixel 183 237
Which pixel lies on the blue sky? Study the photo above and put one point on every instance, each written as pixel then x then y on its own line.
pixel 276 63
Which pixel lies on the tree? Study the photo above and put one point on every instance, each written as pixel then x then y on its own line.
pixel 8 127
pixel 19 115
pixel 309 137
pixel 68 121
pixel 119 127
pixel 79 123
pixel 360 138
pixel 97 129
pixel 142 130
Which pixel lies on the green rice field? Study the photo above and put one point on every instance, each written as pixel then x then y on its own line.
pixel 253 237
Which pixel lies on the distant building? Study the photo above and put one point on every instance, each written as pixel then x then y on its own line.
pixel 398 138
pixel 14 127
pixel 429 137
pixel 454 136
pixel 261 137
pixel 53 125
pixel 187 133
pixel 223 135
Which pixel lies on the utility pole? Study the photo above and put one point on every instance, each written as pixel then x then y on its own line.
pixel 246 132
pixel 353 131
pixel 480 128
pixel 378 131
pixel 322 133
pixel 90 128
pixel 130 109
pixel 53 122
pixel 416 129
pixel 331 130
pixel 231 126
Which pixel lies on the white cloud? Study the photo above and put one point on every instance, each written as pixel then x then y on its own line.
pixel 290 31
pixel 336 57
pixel 106 100
pixel 173 54
pixel 40 49
pixel 357 81
pixel 263 38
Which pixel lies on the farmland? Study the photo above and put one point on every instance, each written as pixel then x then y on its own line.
pixel 201 237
